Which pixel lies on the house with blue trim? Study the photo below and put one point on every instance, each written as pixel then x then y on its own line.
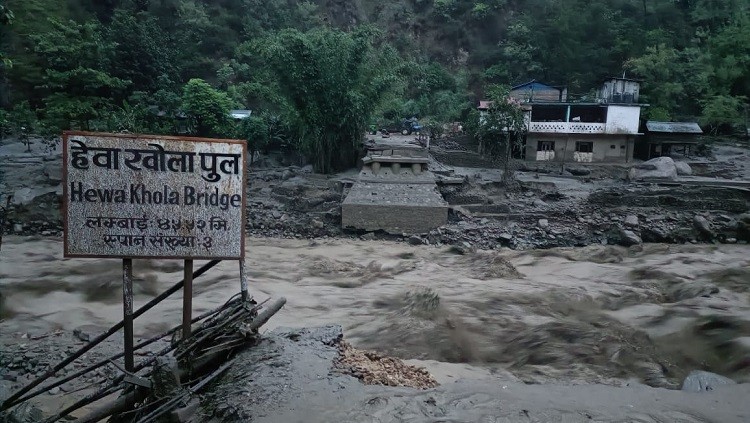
pixel 598 128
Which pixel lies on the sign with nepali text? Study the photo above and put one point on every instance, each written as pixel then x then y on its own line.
pixel 153 196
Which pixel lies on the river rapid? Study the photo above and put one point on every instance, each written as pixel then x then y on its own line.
pixel 649 314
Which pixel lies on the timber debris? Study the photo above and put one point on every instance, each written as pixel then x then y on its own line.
pixel 373 368
pixel 164 380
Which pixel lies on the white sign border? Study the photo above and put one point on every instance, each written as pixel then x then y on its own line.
pixel 65 140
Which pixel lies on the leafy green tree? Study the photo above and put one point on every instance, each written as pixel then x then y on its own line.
pixel 716 13
pixel 333 80
pixel 255 130
pixel 5 124
pixel 142 51
pixel 22 122
pixel 480 11
pixel 81 90
pixel 133 115
pixel 447 9
pixel 123 63
pixel 263 16
pixel 518 56
pixel 707 78
pixel 501 128
pixel 207 109
pixel 430 90
pixel 662 70
pixel 728 68
pixel 6 18
pixel 723 110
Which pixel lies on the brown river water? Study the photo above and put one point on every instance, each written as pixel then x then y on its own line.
pixel 601 314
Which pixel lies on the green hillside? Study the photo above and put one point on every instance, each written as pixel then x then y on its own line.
pixel 118 65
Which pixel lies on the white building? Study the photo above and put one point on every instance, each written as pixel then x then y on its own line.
pixel 603 130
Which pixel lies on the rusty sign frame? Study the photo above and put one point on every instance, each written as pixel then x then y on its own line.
pixel 67 134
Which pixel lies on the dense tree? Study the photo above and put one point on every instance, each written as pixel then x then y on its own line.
pixel 6 18
pixel 142 52
pixel 207 109
pixel 501 128
pixel 124 64
pixel 333 80
pixel 80 88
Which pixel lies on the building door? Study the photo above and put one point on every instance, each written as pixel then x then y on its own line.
pixel 584 151
pixel 545 150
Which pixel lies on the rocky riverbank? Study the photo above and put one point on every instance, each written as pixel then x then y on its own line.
pixel 313 375
pixel 540 211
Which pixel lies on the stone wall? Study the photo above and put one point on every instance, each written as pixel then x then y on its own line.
pixel 394 208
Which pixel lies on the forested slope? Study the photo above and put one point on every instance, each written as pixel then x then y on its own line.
pixel 119 64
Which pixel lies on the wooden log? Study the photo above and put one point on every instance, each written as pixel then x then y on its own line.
pixel 117 406
pixel 266 314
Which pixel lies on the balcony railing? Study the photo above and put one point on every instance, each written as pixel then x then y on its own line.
pixel 568 127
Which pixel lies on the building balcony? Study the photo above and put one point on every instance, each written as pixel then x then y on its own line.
pixel 568 127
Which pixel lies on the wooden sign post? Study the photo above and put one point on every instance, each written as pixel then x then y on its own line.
pixel 142 196
pixel 127 308
pixel 187 299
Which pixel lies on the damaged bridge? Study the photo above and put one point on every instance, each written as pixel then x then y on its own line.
pixel 395 192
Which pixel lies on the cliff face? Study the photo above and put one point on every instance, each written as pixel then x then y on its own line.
pixel 442 30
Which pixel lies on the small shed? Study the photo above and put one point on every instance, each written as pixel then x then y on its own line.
pixel 620 90
pixel 666 138
pixel 536 91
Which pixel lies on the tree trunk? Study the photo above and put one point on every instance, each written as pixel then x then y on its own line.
pixel 506 172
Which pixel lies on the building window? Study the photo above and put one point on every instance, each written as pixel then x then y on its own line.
pixel 612 146
pixel 622 147
pixel 585 146
pixel 545 146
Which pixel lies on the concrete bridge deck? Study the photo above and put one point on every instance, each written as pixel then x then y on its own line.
pixel 395 193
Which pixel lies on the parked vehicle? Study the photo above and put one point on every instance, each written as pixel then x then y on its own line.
pixel 405 127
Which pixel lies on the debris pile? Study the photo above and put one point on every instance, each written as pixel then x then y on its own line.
pixel 375 369
pixel 163 380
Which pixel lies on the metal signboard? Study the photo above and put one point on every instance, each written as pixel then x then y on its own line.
pixel 131 196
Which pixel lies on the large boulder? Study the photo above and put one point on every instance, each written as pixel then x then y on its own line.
pixel 579 171
pixel 628 238
pixel 658 168
pixel 703 226
pixel 631 220
pixel 683 168
pixel 700 381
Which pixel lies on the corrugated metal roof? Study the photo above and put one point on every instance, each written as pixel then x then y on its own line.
pixel 622 79
pixel 534 85
pixel 240 114
pixel 674 127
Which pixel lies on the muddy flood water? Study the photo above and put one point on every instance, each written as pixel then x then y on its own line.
pixel 602 314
